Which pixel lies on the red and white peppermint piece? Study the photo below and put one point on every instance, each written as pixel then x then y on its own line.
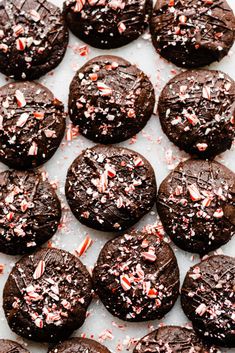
pixel 66 304
pixel 158 303
pixel 39 269
pixel 152 293
pixel 110 170
pixel 79 5
pixel 18 30
pixel 218 213
pixel 131 113
pixel 10 216
pixel 192 119
pixel 103 182
pixel 86 243
pixel 21 43
pixel 183 19
pixel 121 27
pixel 4 47
pixel 125 282
pixel 24 205
pixel 22 120
pixel 177 30
pixel 138 162
pixel 206 202
pixel 33 150
pixel 38 322
pixel 208 2
pixel 104 89
pixel 119 202
pixel 93 77
pixel 202 146
pixel 39 115
pixel 194 192
pixel 206 92
pixel 149 255
pixel 201 309
pixel 114 65
pixel 83 50
pixel 35 15
pixel 21 102
pixel 145 243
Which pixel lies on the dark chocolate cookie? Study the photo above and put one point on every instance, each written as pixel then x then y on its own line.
pixel 8 346
pixel 196 110
pixel 192 33
pixel 107 24
pixel 137 277
pixel 79 345
pixel 30 211
pixel 33 38
pixel 208 299
pixel 46 295
pixel 171 339
pixel 110 99
pixel 32 124
pixel 110 188
pixel 196 204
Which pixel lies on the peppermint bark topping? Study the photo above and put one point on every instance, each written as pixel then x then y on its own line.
pixel 113 178
pixel 51 284
pixel 196 205
pixel 132 285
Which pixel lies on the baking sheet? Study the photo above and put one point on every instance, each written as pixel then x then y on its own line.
pixel 153 144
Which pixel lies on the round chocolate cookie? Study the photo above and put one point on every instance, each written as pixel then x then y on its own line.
pixel 33 38
pixel 169 339
pixel 208 298
pixel 8 346
pixel 110 188
pixel 137 277
pixel 30 211
pixel 196 204
pixel 196 110
pixel 192 33
pixel 79 345
pixel 110 99
pixel 107 24
pixel 32 124
pixel 46 295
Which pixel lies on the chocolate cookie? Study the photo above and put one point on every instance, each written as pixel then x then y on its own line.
pixel 107 24
pixel 192 33
pixel 110 188
pixel 196 204
pixel 8 346
pixel 137 277
pixel 33 38
pixel 208 299
pixel 196 110
pixel 32 124
pixel 110 99
pixel 168 339
pixel 81 345
pixel 46 295
pixel 30 211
